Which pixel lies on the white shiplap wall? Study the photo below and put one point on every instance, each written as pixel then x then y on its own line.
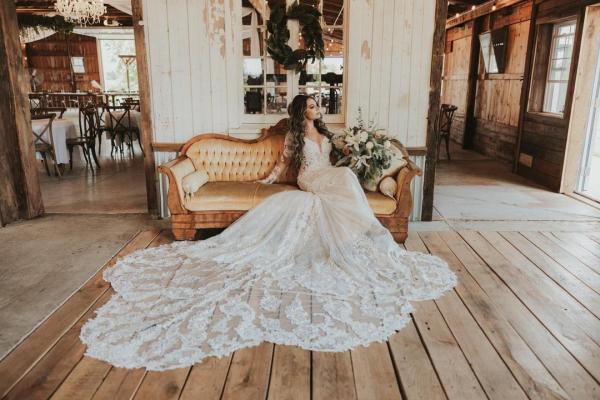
pixel 195 66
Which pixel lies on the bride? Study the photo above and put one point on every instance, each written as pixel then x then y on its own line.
pixel 312 268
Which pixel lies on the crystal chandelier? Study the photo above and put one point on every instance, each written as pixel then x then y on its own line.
pixel 81 12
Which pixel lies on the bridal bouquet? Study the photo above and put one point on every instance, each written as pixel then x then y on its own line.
pixel 364 149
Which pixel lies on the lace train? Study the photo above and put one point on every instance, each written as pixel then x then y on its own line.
pixel 309 268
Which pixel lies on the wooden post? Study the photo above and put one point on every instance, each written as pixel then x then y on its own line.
pixel 470 123
pixel 145 106
pixel 435 87
pixel 20 195
pixel 526 84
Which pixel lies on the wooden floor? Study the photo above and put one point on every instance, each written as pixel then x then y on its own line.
pixel 523 322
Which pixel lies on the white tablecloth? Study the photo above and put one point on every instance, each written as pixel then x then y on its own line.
pixel 61 130
pixel 135 118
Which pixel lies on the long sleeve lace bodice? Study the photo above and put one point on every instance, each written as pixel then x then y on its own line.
pixel 284 160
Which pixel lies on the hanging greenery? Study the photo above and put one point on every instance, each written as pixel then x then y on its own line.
pixel 279 34
pixel 35 22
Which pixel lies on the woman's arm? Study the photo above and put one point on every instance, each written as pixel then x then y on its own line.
pixel 283 162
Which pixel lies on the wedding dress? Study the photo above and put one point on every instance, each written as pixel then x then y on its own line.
pixel 312 268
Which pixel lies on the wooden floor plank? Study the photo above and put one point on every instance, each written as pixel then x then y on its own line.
pixel 249 373
pixel 83 381
pixel 332 376
pixel 584 295
pixel 590 241
pixel 415 371
pixel 516 354
pixel 290 376
pixel 120 383
pixel 16 364
pixel 549 297
pixel 48 374
pixel 453 369
pixel 569 262
pixel 207 379
pixel 494 276
pixel 163 385
pixel 374 374
pixel 493 374
pixel 580 252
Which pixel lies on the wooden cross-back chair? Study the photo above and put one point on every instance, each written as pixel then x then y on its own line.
pixel 445 119
pixel 44 141
pixel 89 126
pixel 133 104
pixel 48 110
pixel 119 123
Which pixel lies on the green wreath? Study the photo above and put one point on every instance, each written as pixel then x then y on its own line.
pixel 279 35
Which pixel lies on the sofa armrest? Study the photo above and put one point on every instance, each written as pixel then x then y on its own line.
pixel 175 171
pixel 403 194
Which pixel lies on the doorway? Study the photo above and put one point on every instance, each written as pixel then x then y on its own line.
pixel 589 175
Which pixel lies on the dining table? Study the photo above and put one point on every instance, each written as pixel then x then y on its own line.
pixel 135 117
pixel 62 129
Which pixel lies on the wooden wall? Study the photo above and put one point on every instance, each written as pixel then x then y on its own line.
pixel 51 57
pixel 195 67
pixel 498 95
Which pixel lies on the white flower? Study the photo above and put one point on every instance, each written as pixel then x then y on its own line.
pixel 356 147
pixel 369 145
pixel 387 144
pixel 363 136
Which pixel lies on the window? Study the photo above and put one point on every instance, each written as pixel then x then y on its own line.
pixel 563 36
pixel 552 66
pixel 119 69
pixel 269 88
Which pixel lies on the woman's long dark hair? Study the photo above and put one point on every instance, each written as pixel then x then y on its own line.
pixel 297 126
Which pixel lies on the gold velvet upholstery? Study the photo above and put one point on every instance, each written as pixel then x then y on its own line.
pixel 231 161
pixel 242 196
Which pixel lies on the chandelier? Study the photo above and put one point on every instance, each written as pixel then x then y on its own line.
pixel 81 12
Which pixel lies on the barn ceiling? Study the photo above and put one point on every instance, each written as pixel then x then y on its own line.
pixel 46 7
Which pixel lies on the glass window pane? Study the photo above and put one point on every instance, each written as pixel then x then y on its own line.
pixel 253 101
pixel 276 74
pixel 331 100
pixel 277 100
pixel 253 71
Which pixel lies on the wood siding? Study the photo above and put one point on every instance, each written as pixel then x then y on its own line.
pixel 195 66
pixel 497 101
pixel 50 56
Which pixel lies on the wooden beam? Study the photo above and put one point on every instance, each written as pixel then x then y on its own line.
pixel 470 122
pixel 20 194
pixel 525 86
pixel 481 10
pixel 145 106
pixel 435 87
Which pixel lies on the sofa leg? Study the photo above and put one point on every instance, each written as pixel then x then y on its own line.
pixel 184 234
pixel 400 237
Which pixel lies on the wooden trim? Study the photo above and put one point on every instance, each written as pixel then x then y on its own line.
pixel 435 87
pixel 145 106
pixel 20 193
pixel 480 11
pixel 526 85
pixel 574 64
pixel 470 123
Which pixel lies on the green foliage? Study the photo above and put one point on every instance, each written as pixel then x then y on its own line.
pixel 279 35
pixel 35 22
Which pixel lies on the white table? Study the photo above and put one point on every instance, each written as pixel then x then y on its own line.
pixel 62 129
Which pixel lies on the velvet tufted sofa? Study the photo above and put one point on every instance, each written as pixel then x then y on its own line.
pixel 233 166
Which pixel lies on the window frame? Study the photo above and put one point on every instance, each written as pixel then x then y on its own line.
pixel 293 88
pixel 553 42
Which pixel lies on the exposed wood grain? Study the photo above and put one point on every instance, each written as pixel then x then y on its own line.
pixel 494 376
pixel 162 385
pixel 568 261
pixel 249 373
pixel 290 376
pixel 207 379
pixel 24 356
pixel 374 373
pixel 576 249
pixel 83 381
pixel 120 383
pixel 516 354
pixel 413 366
pixel 332 376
